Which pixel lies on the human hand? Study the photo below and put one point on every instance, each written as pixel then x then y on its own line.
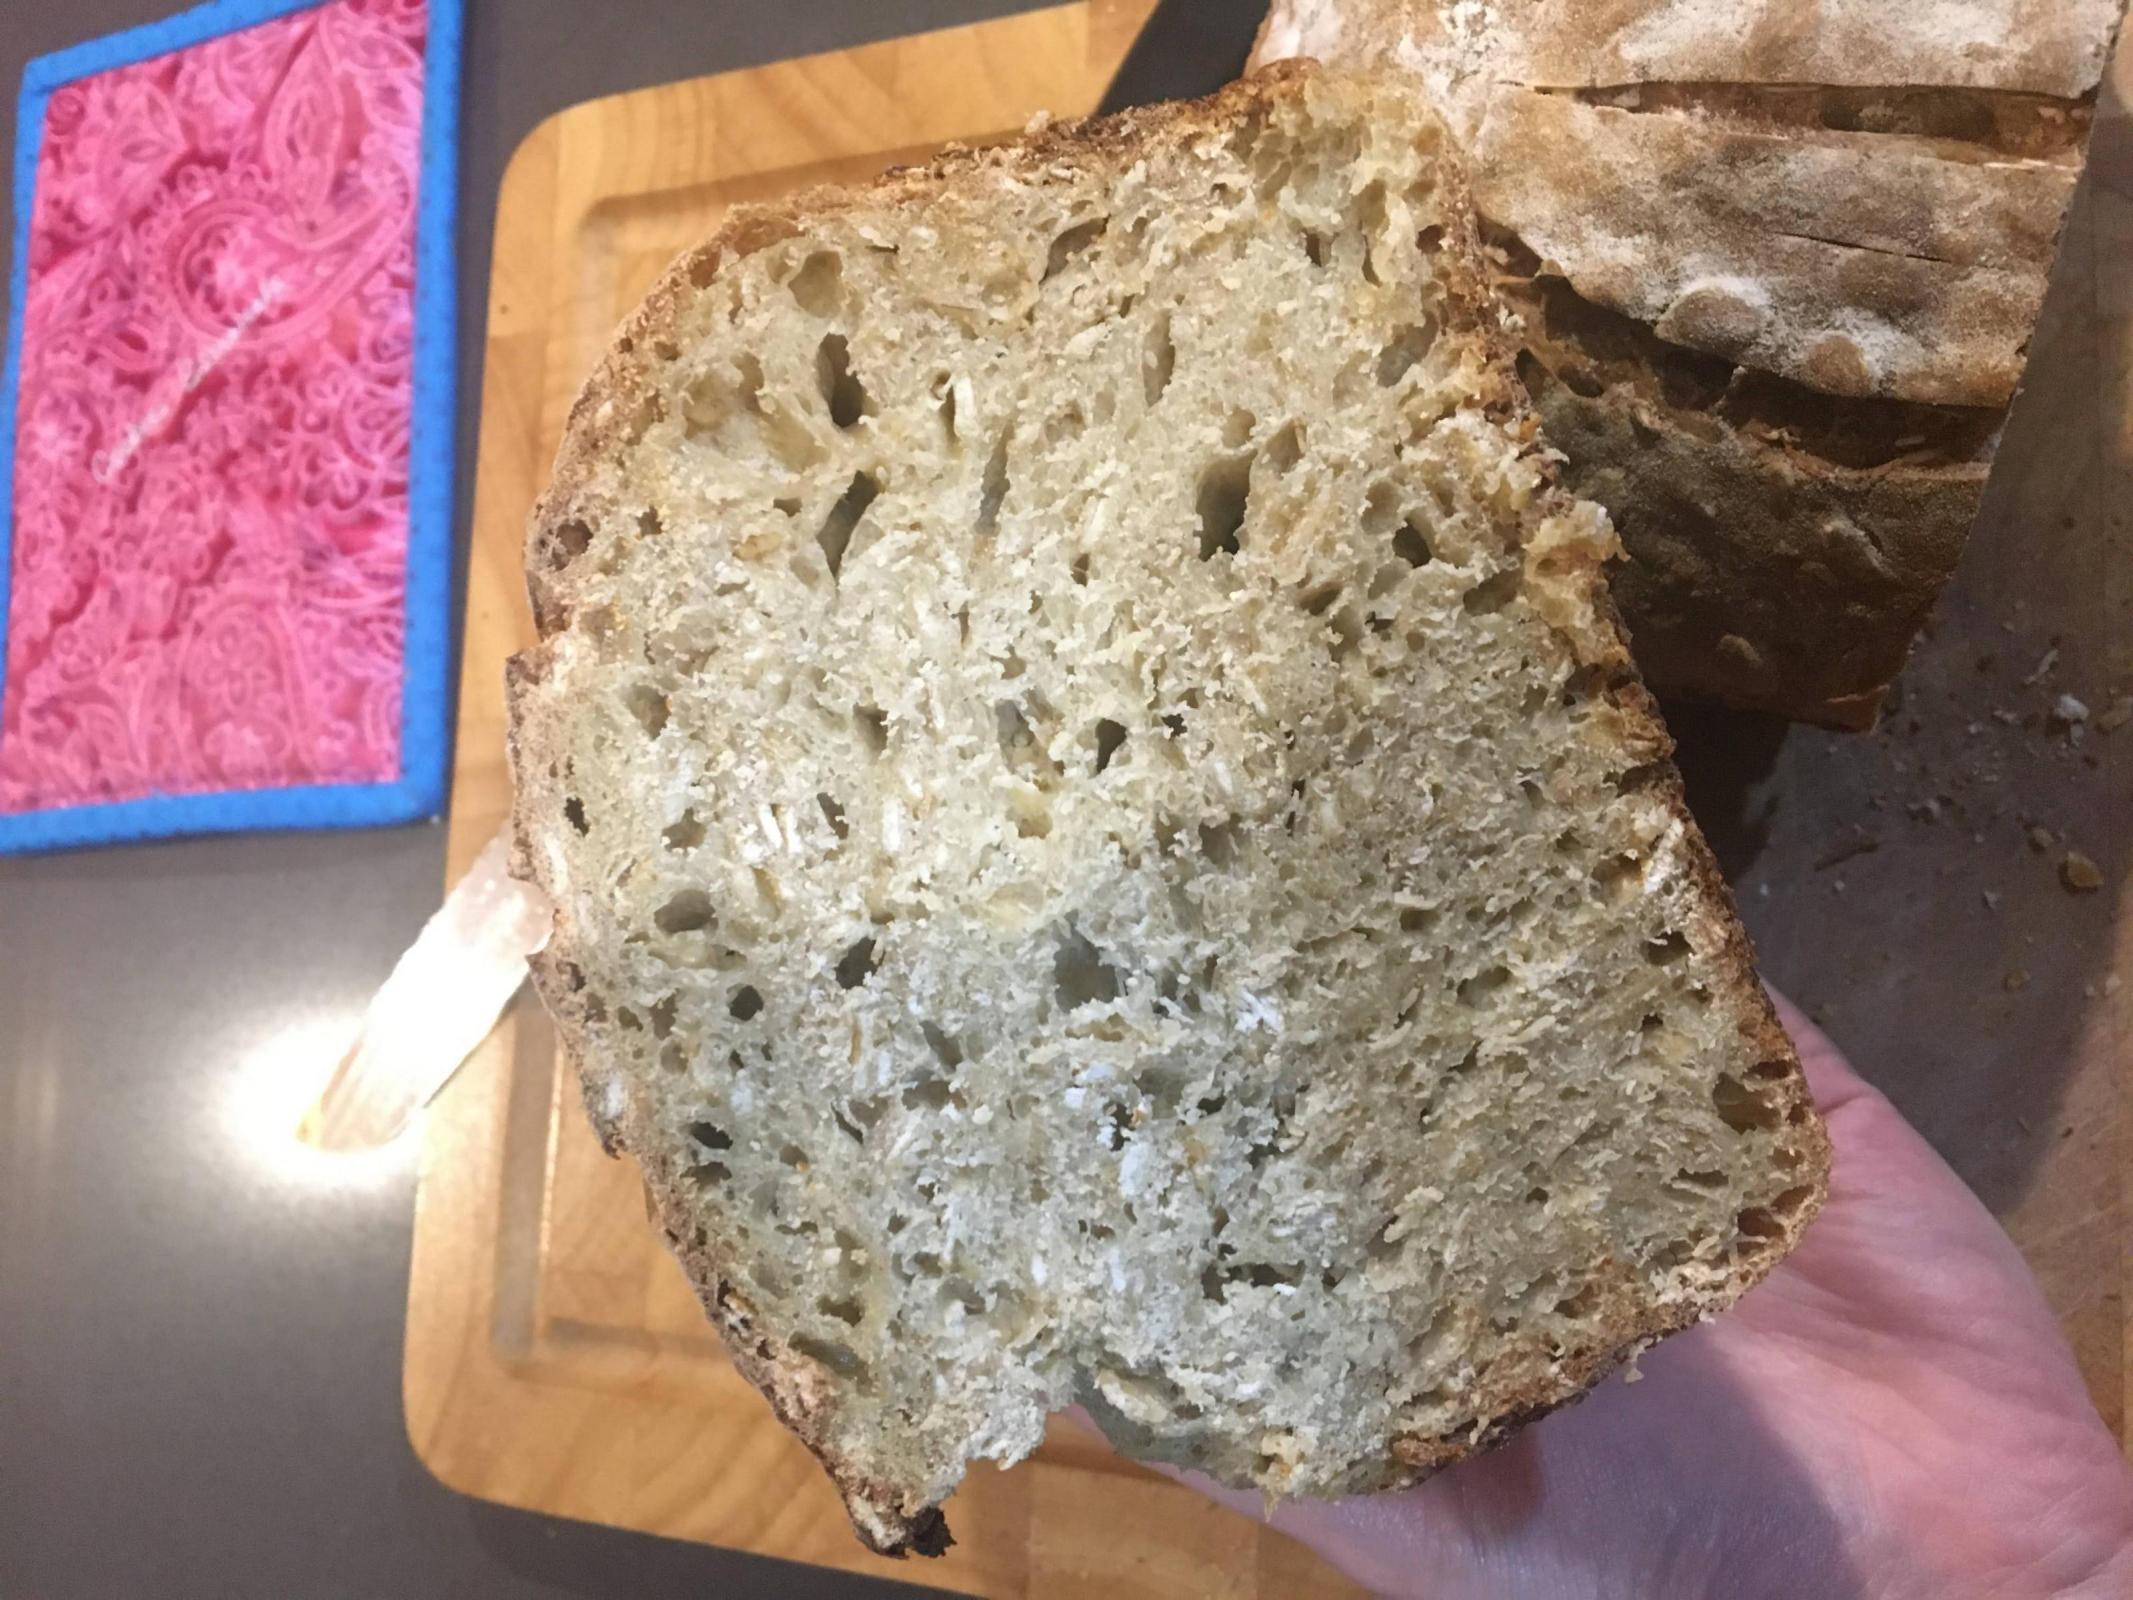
pixel 1892 1413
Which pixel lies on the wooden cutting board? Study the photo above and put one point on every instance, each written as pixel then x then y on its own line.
pixel 556 1359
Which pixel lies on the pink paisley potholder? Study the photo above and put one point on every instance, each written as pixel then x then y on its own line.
pixel 211 464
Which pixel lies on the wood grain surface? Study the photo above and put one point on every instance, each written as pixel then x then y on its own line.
pixel 556 1357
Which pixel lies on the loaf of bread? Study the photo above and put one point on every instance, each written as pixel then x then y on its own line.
pixel 1106 846
pixel 1778 265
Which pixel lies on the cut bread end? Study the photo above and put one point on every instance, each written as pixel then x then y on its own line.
pixel 1106 844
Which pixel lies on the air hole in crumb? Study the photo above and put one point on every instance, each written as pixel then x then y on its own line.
pixel 1159 360
pixel 1483 986
pixel 1032 814
pixel 1408 346
pixel 872 725
pixel 1347 626
pixel 943 1046
pixel 574 814
pixel 1701 1178
pixel 1109 737
pixel 649 707
pixel 943 389
pixel 1012 729
pixel 1634 780
pixel 842 391
pixel 662 1016
pixel 709 1172
pixel 745 1004
pixel 1121 1121
pixel 1381 509
pixel 648 524
pixel 1224 498
pixel 835 534
pixel 1316 602
pixel 1586 683
pixel 1416 919
pixel 992 492
pixel 819 284
pixel 1537 1196
pixel 850 1312
pixel 857 964
pixel 672 1057
pixel 1793 1201
pixel 1314 244
pixel 1079 975
pixel 1071 243
pixel 1218 842
pixel 1409 544
pixel 711 1136
pixel 686 833
pixel 1080 570
pixel 788 505
pixel 1237 429
pixel 1285 449
pixel 841 1359
pixel 930 1094
pixel 1492 594
pixel 833 814
pixel 685 912
pixel 1741 1108
pixel 1759 1222
pixel 1616 878
pixel 793 1156
pixel 1370 222
pixel 1431 239
pixel 1665 951
pixel 1580 1304
pixel 566 542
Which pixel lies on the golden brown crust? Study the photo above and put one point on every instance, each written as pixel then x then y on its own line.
pixel 615 404
pixel 1853 198
pixel 2049 47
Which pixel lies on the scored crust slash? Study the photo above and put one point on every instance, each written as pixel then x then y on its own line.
pixel 1777 279
pixel 1106 844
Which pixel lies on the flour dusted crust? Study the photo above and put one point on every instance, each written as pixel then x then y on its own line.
pixel 1858 200
pixel 857 937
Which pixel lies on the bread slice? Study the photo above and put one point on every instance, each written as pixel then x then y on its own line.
pixel 1105 844
pixel 1778 276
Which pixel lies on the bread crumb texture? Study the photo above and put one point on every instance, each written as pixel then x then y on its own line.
pixel 1106 846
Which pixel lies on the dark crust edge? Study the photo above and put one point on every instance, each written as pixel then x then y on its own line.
pixel 896 1521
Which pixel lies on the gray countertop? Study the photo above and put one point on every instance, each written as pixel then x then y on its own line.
pixel 200 1331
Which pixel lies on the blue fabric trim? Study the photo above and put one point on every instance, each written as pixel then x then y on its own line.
pixel 425 734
